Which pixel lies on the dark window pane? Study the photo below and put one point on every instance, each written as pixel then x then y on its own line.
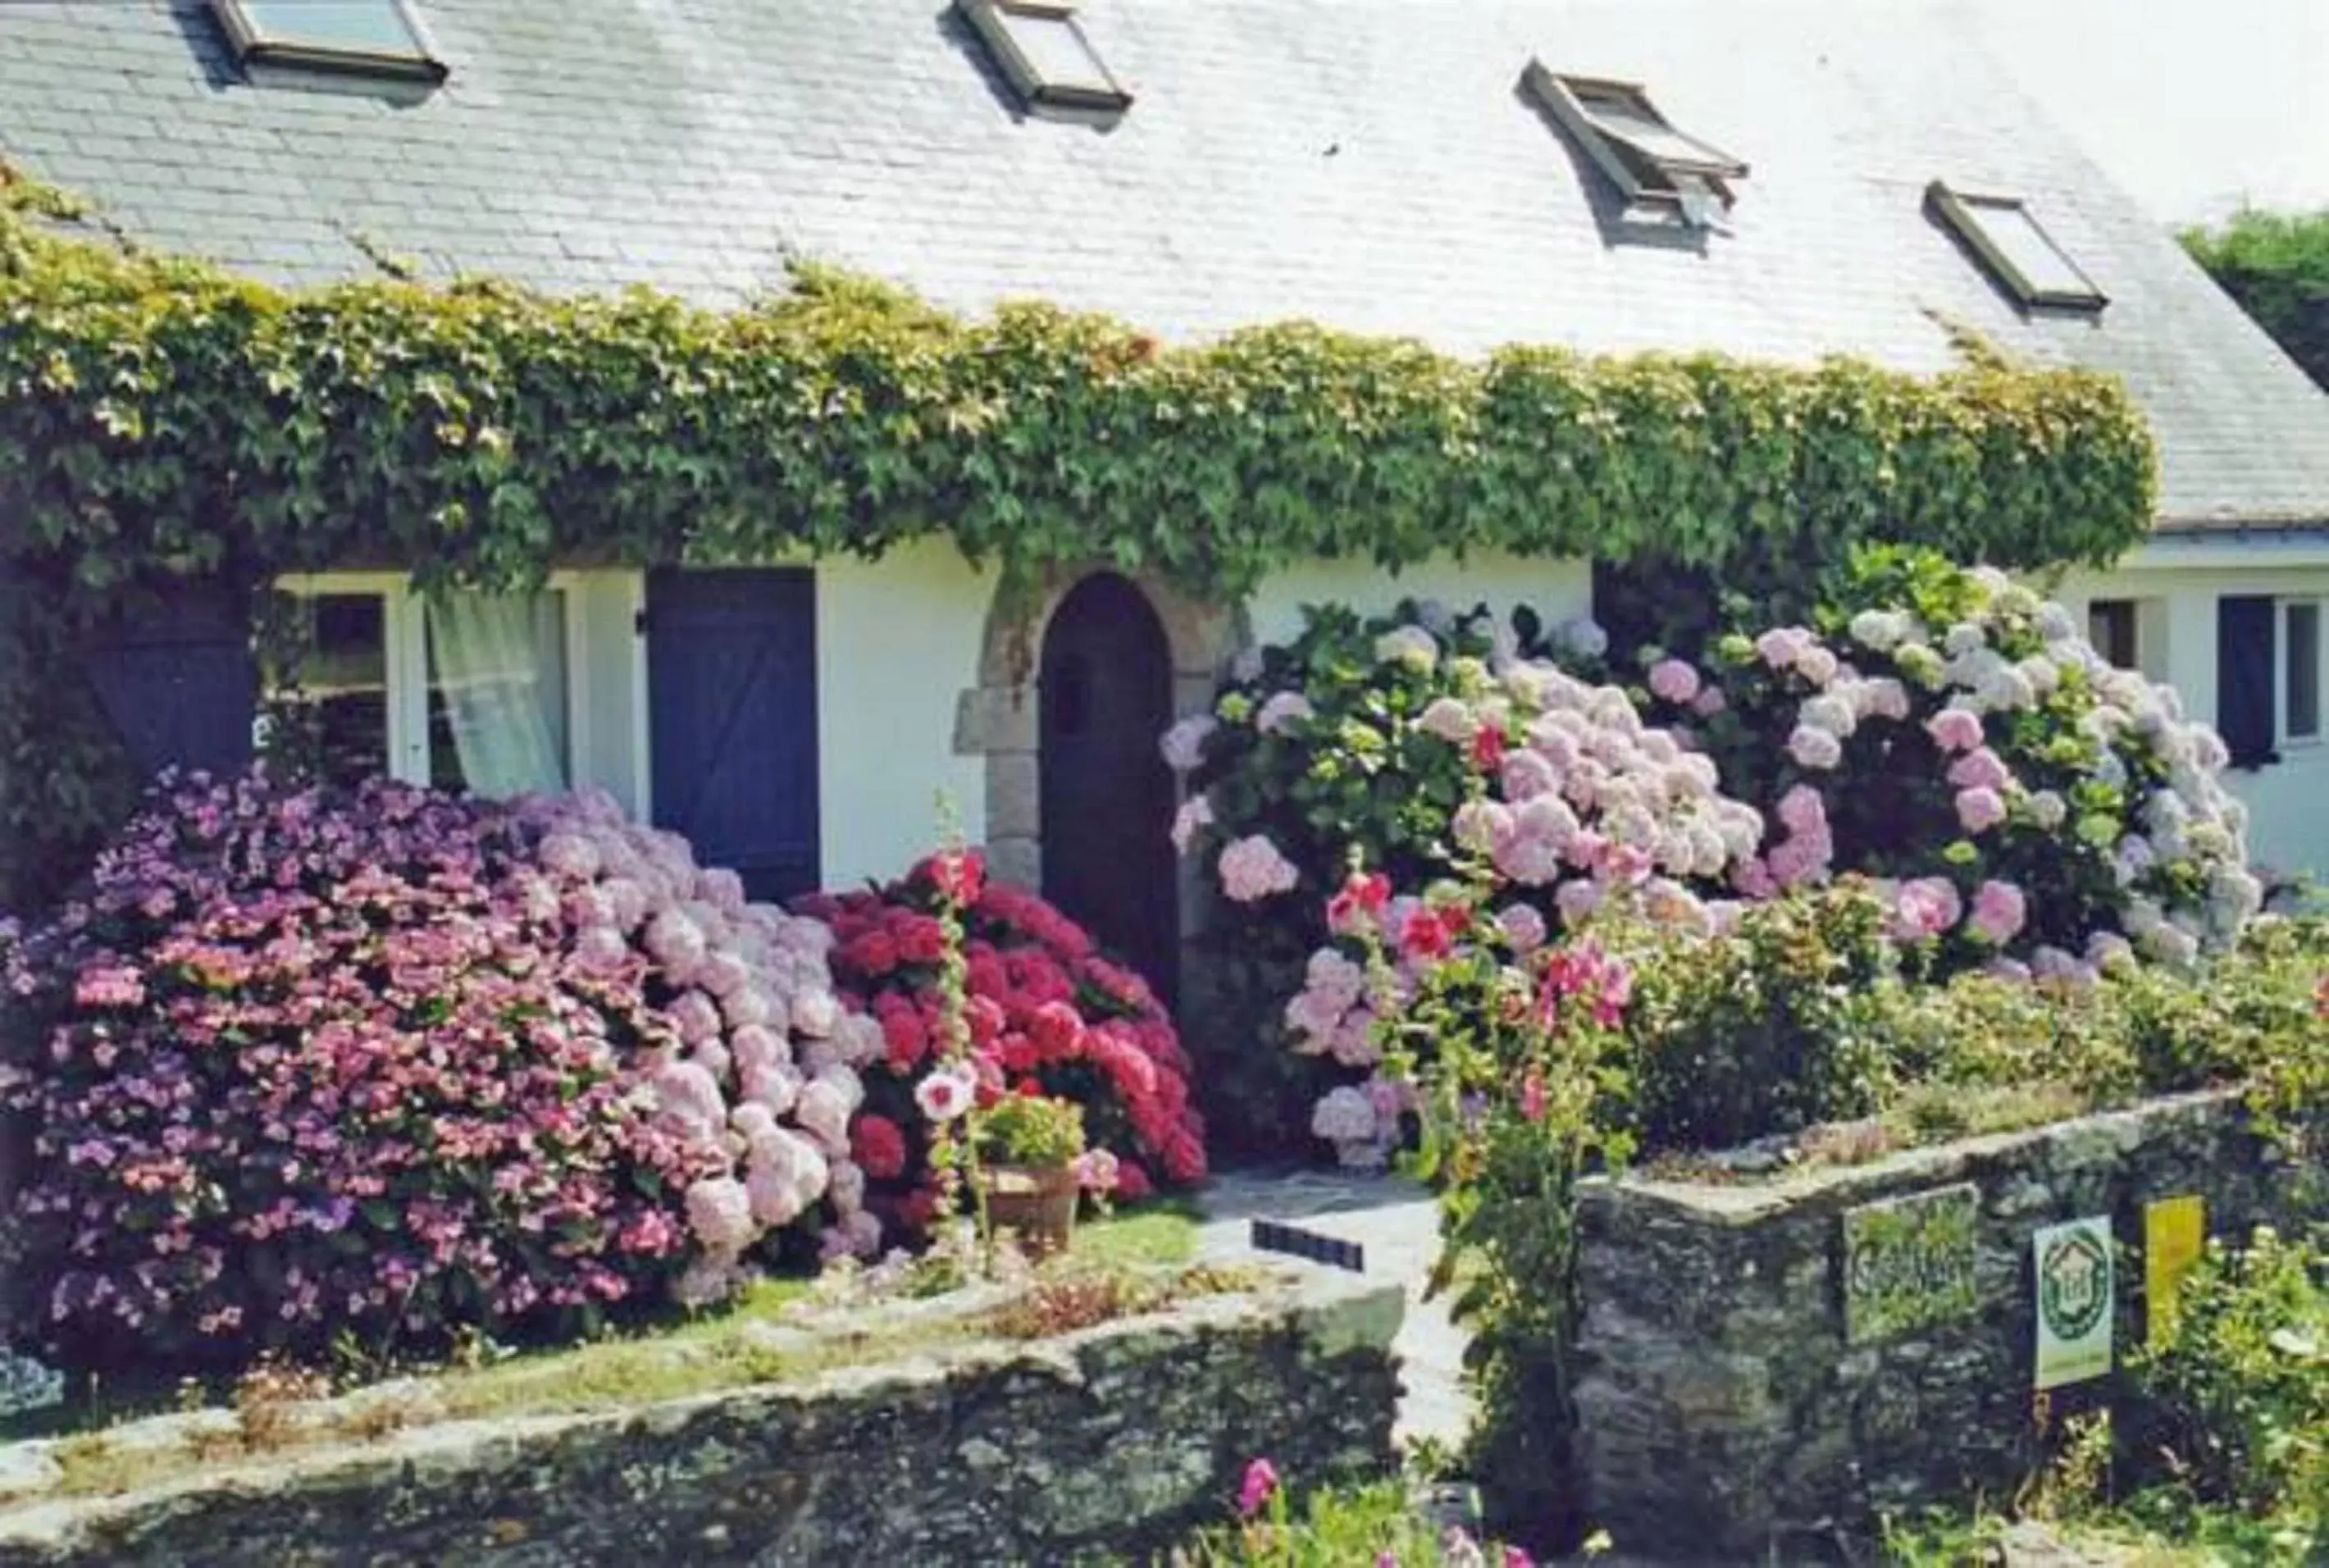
pixel 2244 676
pixel 338 690
pixel 2110 627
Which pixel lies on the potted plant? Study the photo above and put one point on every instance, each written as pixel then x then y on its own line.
pixel 1031 1150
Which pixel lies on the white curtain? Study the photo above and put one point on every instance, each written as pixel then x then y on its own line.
pixel 497 663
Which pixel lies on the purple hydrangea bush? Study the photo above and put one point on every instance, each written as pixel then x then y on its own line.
pixel 385 1064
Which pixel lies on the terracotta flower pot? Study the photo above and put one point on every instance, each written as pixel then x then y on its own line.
pixel 1039 1204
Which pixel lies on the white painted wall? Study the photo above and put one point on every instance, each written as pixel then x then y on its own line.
pixel 607 684
pixel 897 644
pixel 2176 585
pixel 1556 590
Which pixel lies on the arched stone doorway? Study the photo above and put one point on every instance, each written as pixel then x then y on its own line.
pixel 1106 799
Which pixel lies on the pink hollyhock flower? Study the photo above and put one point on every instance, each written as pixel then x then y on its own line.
pixel 1675 680
pixel 1252 869
pixel 1954 729
pixel 1360 903
pixel 1281 709
pixel 1814 749
pixel 1980 810
pixel 1196 814
pixel 945 1093
pixel 1260 1485
pixel 1980 768
pixel 1999 910
pixel 1532 1096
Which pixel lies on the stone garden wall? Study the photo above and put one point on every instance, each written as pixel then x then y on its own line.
pixel 1117 1438
pixel 1765 1363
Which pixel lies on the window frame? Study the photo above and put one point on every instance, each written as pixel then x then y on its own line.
pixel 991 20
pixel 254 45
pixel 2282 645
pixel 1957 211
pixel 404 627
pixel 1629 165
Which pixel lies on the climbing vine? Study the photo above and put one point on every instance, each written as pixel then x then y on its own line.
pixel 160 420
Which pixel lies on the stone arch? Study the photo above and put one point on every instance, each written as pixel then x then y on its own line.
pixel 999 718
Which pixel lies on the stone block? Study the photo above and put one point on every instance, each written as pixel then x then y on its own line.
pixel 996 718
pixel 1109 1444
pixel 1720 1404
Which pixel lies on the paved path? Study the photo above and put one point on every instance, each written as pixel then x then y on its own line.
pixel 1396 1223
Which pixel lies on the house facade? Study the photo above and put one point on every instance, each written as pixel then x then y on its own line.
pixel 1778 181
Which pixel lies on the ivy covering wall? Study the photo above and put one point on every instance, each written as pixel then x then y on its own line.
pixel 161 421
pixel 2276 265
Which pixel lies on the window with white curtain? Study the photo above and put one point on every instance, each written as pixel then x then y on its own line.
pixel 461 690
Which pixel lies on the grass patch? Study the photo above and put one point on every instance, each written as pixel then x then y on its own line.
pixel 1115 1267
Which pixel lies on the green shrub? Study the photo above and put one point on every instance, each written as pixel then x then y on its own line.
pixel 2236 1404
pixel 1773 1025
pixel 2276 265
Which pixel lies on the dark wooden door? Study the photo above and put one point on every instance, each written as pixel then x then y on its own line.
pixel 179 683
pixel 731 693
pixel 1106 796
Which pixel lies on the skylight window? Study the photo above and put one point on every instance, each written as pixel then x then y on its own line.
pixel 1042 49
pixel 1653 164
pixel 365 37
pixel 2011 243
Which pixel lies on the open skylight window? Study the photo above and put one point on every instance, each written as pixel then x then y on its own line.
pixel 2007 236
pixel 1650 162
pixel 1042 49
pixel 365 37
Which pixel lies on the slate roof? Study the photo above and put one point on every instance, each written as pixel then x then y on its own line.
pixel 1371 164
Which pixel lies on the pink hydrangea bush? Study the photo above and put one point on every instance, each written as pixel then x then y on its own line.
pixel 1047 1014
pixel 2025 806
pixel 1452 743
pixel 760 1061
pixel 303 1063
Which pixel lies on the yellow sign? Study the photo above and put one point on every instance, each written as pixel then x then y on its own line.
pixel 2173 1231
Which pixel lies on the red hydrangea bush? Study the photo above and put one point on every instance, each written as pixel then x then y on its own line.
pixel 1046 1013
pixel 386 1063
